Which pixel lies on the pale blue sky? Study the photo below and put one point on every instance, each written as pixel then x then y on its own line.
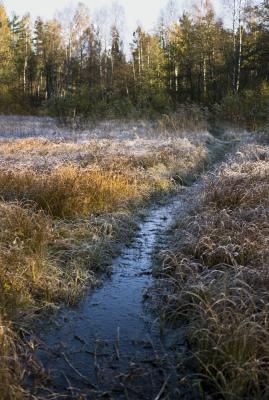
pixel 144 11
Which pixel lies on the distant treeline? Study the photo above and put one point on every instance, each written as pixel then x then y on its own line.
pixel 73 69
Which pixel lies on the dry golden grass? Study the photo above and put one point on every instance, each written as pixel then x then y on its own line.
pixel 36 145
pixel 11 371
pixel 45 261
pixel 48 147
pixel 30 273
pixel 174 161
pixel 28 279
pixel 23 243
pixel 220 279
pixel 83 245
pixel 69 191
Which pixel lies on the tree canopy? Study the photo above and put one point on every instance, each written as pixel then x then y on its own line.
pixel 73 68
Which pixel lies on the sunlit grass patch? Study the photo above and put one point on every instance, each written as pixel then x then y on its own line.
pixel 23 241
pixel 29 275
pixel 41 146
pixel 69 191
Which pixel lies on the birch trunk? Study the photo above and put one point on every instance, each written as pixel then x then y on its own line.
pixel 239 58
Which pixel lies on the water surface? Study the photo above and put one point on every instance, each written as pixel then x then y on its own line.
pixel 111 345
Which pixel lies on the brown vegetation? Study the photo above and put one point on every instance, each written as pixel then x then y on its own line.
pixel 219 273
pixel 68 191
pixel 11 368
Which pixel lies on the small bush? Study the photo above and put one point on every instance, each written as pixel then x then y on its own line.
pixel 187 118
pixel 248 109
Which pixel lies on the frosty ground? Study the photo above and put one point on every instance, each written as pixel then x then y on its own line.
pixel 69 200
pixel 73 195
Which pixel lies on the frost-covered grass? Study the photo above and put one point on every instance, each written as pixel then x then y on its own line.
pixel 218 274
pixel 82 172
pixel 68 198
pixel 42 143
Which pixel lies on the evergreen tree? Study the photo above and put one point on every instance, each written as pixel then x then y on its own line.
pixel 22 47
pixel 7 61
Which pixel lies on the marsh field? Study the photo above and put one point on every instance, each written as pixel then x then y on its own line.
pixel 134 195
pixel 134 261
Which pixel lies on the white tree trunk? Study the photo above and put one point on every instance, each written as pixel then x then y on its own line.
pixel 239 58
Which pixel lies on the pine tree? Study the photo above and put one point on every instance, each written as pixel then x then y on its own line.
pixel 7 65
pixel 22 45
pixel 49 51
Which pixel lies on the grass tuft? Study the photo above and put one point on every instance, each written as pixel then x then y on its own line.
pixel 68 191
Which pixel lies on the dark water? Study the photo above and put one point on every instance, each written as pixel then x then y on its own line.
pixel 111 346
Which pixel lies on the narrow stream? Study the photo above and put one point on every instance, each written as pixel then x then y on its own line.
pixel 111 346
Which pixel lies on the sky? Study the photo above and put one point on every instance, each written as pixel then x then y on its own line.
pixel 144 12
